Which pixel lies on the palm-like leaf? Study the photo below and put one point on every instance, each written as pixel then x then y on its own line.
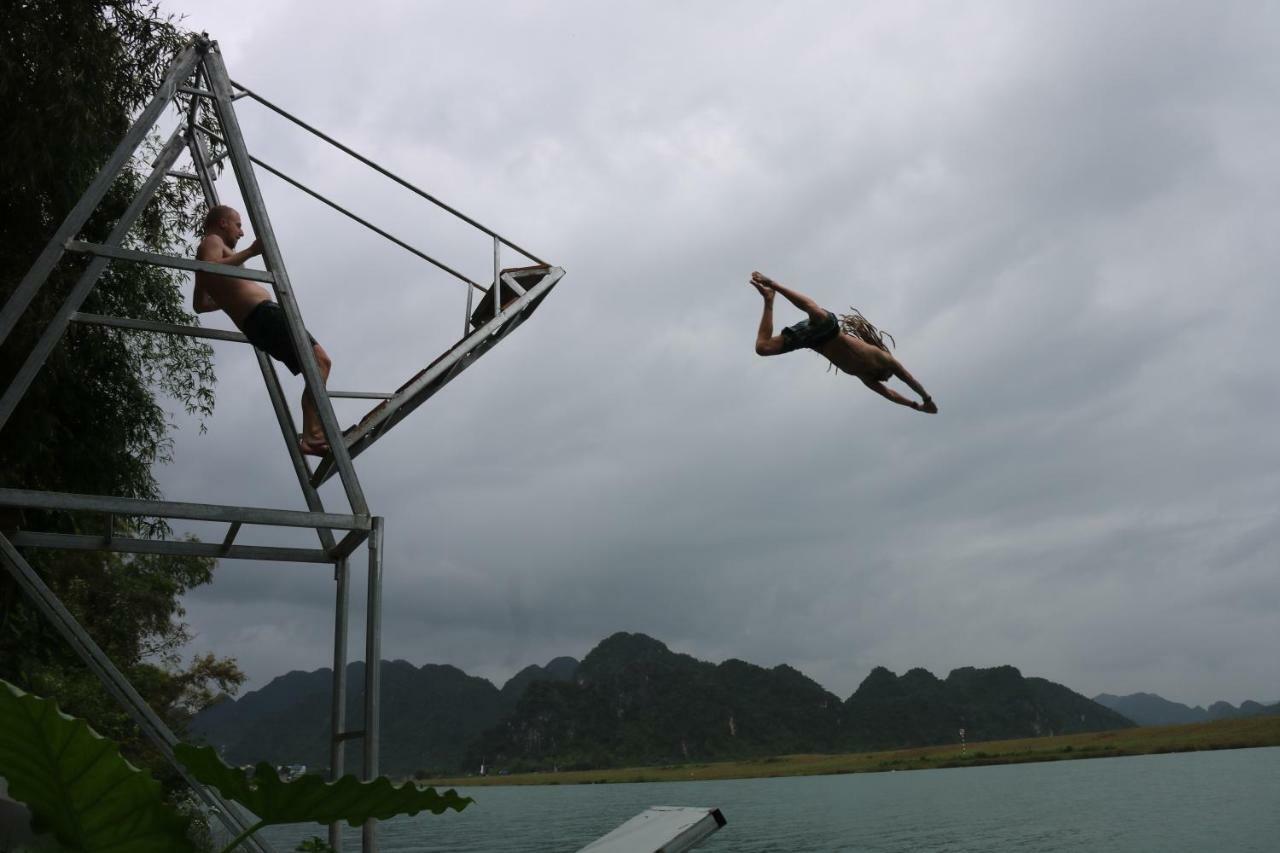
pixel 310 799
pixel 77 785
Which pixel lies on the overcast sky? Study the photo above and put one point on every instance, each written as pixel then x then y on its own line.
pixel 1065 214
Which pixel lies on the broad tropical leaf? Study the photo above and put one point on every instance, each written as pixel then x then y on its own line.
pixel 310 798
pixel 76 784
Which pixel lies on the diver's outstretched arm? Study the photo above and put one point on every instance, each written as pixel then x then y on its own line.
pixel 927 401
pixel 894 397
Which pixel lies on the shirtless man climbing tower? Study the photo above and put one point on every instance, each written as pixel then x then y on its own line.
pixel 251 308
pixel 850 343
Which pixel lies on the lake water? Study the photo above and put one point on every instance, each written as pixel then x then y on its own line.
pixel 1205 801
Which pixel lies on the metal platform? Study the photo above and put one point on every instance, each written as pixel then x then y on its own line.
pixel 523 290
pixel 661 829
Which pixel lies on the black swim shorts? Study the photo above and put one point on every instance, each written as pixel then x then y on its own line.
pixel 810 334
pixel 267 329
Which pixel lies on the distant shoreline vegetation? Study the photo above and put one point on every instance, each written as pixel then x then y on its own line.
pixel 1150 740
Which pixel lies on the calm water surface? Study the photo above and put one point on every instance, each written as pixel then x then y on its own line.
pixel 1205 801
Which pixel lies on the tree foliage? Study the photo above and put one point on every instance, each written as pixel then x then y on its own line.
pixel 73 74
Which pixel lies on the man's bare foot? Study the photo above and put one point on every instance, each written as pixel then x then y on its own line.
pixel 313 446
pixel 929 407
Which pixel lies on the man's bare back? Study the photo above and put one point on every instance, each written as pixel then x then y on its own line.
pixel 821 332
pixel 859 358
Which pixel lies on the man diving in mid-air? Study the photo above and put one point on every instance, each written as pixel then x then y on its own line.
pixel 849 342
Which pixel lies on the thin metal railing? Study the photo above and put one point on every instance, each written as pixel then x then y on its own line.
pixel 374 228
pixel 333 204
pixel 383 171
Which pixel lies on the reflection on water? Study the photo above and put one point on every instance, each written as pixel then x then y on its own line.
pixel 1190 802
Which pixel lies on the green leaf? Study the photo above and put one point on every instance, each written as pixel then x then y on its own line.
pixel 310 799
pixel 76 784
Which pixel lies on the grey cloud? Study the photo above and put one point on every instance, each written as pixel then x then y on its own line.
pixel 1061 216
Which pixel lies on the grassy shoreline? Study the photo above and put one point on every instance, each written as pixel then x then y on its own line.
pixel 1222 734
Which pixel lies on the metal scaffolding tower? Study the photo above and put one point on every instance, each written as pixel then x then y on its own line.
pixel 199 76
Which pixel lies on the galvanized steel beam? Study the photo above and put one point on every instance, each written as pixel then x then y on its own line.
pixel 200 158
pixel 373 674
pixel 172 261
pixel 170 547
pixel 290 435
pixel 510 281
pixel 348 545
pixel 338 697
pixel 230 538
pixel 364 395
pixel 29 499
pixel 158 328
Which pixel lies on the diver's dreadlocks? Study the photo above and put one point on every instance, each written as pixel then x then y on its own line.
pixel 860 327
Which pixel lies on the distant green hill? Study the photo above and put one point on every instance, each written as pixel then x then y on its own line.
pixel 919 709
pixel 632 702
pixel 1148 709
pixel 560 669
pixel 429 715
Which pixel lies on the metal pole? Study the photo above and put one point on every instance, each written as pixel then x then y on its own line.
pixel 466 316
pixel 70 227
pixel 338 708
pixel 115 682
pixel 249 189
pixel 363 395
pixel 373 672
pixel 497 273
pixel 200 156
pixel 84 285
pixel 193 107
pixel 290 433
